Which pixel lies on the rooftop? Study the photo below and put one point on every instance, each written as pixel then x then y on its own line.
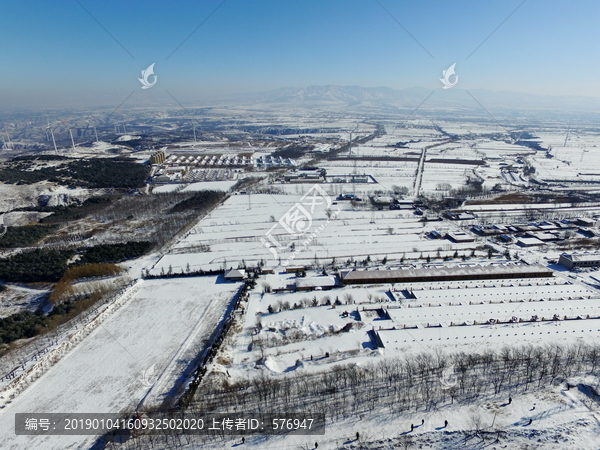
pixel 582 256
pixel 235 273
pixel 529 241
pixel 512 271
pixel 312 282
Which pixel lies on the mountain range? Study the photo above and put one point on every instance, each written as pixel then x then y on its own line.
pixel 428 101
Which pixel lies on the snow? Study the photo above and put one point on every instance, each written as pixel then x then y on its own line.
pixel 232 233
pixel 14 196
pixel 297 334
pixel 473 337
pixel 308 340
pixel 560 419
pixel 163 326
pixel 168 188
pixel 210 185
pixel 127 137
pixel 20 298
pixel 195 187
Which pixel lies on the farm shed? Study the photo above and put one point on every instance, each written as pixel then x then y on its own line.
pixel 575 260
pixel 444 274
pixel 235 275
pixel 312 283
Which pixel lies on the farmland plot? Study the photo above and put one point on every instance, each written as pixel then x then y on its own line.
pixel 136 355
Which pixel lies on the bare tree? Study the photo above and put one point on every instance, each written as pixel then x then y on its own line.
pixel 406 442
pixel 476 422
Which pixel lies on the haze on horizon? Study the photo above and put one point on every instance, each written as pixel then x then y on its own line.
pixel 81 53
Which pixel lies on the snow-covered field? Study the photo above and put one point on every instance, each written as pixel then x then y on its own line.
pixel 453 174
pixel 210 185
pixel 232 234
pixel 194 187
pixel 386 173
pixel 136 355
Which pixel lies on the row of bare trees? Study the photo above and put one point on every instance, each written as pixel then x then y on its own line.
pixel 398 385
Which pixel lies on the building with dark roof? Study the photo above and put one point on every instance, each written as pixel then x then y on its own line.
pixel 444 274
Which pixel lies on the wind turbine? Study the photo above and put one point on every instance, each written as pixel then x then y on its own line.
pixel 70 133
pixel 46 130
pixel 53 141
pixel 72 140
pixel 95 132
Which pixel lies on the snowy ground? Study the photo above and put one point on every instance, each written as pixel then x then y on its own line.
pixel 233 232
pixel 305 334
pixel 135 355
pixel 142 348
pixel 194 187
pixel 561 418
pixel 14 196
pixel 298 340
pixel 19 298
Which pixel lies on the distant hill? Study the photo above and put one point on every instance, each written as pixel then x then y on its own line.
pixel 438 100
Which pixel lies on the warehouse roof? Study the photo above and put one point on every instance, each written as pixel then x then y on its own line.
pixel 505 271
pixel 529 241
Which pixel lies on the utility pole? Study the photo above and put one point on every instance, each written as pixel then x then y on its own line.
pixel 567 136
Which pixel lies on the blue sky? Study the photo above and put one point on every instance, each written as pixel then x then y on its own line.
pixel 56 48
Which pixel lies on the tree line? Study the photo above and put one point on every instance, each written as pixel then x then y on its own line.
pixel 49 265
pixel 74 211
pixel 393 386
pixel 181 274
pixel 35 265
pixel 113 253
pixel 202 200
pixel 91 173
pixel 25 235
